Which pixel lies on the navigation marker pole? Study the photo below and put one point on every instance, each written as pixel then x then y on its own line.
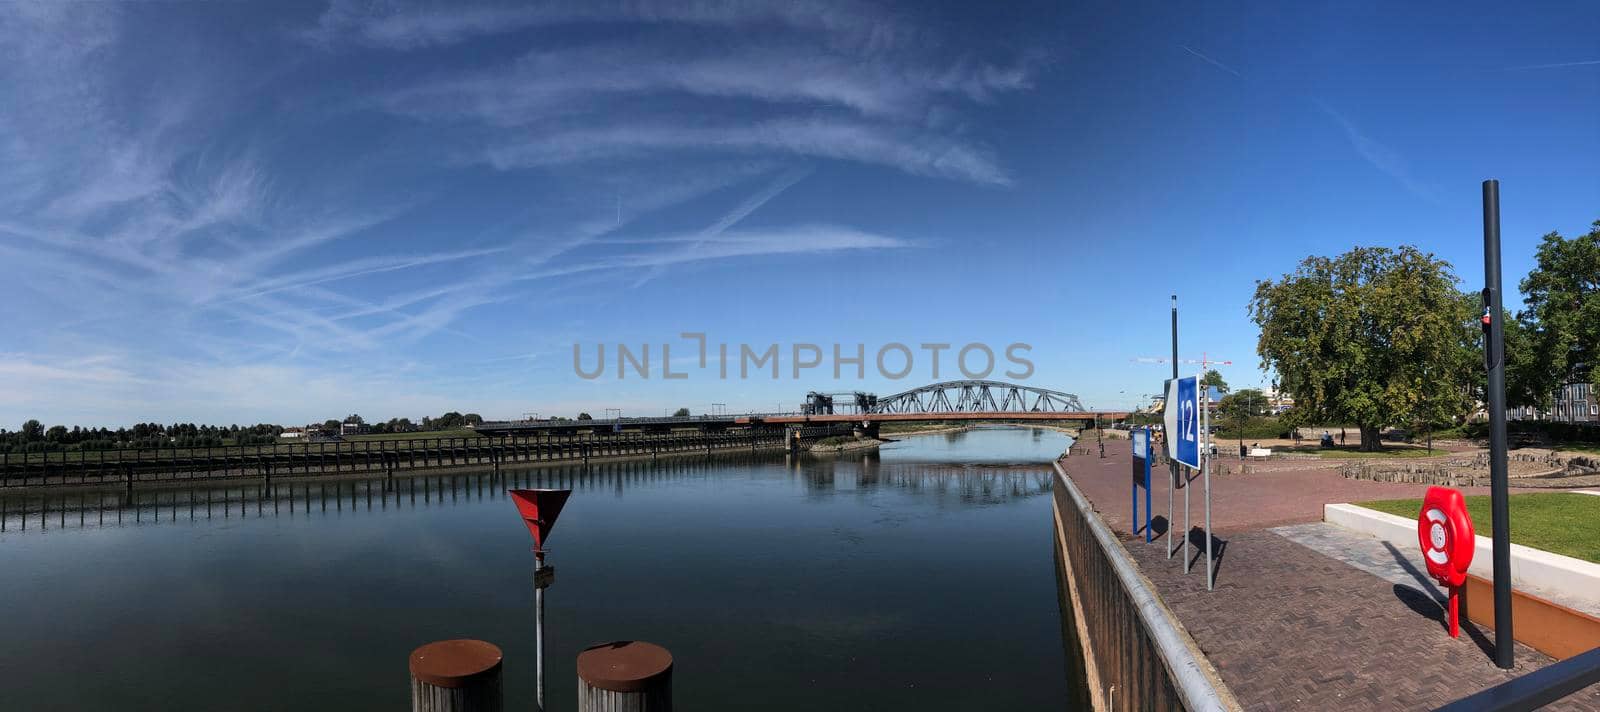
pixel 539 509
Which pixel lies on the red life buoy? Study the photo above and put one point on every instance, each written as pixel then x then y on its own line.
pixel 1444 530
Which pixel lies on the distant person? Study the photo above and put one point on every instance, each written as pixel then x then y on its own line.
pixel 1341 437
pixel 1327 439
pixel 1242 451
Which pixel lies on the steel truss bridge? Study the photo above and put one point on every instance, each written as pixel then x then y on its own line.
pixel 978 397
pixel 945 401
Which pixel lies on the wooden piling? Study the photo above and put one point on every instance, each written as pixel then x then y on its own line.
pixel 625 676
pixel 456 676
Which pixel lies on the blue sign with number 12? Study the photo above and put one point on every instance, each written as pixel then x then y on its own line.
pixel 1188 410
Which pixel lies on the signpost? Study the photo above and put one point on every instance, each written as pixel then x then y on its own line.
pixel 539 509
pixel 1181 417
pixel 1141 478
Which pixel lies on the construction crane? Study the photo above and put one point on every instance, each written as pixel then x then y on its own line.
pixel 1204 361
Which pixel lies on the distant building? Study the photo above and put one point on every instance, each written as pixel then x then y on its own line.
pixel 1574 403
pixel 292 433
pixel 353 429
pixel 1278 402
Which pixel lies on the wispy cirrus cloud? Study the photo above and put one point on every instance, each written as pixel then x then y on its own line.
pixel 188 226
pixel 916 153
pixel 409 26
pixel 549 84
pixel 1557 65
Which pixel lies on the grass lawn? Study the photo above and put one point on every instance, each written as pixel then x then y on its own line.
pixel 1557 522
pixel 1590 448
pixel 1352 452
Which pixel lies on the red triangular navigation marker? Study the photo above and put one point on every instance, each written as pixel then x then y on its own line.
pixel 539 509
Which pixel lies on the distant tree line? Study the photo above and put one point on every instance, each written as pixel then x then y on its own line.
pixel 35 437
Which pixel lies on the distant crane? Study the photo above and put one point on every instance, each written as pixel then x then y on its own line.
pixel 1204 361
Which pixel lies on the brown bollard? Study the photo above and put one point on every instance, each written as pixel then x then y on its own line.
pixel 625 676
pixel 456 676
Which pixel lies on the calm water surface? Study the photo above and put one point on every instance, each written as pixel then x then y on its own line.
pixel 918 578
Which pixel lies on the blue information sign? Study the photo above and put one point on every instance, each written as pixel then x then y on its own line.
pixel 1182 420
pixel 1141 478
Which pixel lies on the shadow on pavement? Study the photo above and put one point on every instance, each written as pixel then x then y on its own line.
pixel 1425 605
pixel 1219 546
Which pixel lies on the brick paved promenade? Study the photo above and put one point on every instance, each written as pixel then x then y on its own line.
pixel 1289 627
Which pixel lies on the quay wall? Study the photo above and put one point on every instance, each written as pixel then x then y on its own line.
pixel 1136 654
pixel 168 466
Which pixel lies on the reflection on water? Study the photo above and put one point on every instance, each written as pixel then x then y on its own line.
pixel 918 577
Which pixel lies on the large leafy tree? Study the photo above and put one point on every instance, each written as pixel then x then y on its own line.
pixel 1559 331
pixel 1375 337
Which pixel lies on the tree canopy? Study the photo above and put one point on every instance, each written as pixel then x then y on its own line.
pixel 681 413
pixel 1558 334
pixel 1213 378
pixel 1376 337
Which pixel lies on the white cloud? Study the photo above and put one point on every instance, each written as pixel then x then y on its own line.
pixel 573 81
pixel 406 26
pixel 914 152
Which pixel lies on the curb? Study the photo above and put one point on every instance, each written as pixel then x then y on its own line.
pixel 1570 579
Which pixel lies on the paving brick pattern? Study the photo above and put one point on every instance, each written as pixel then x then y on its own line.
pixel 1291 627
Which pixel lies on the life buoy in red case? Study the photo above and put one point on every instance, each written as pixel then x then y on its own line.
pixel 1444 529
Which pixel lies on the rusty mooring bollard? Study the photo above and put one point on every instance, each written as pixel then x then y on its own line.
pixel 456 676
pixel 625 675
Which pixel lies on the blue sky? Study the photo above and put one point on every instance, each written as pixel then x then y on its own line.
pixel 285 212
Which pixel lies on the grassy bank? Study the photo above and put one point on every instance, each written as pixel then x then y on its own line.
pixel 1557 522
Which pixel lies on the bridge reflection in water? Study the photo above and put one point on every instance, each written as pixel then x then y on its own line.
pixel 865 471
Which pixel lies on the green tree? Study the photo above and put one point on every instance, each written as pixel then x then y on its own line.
pixel 1214 379
pixel 681 413
pixel 1559 331
pixel 1375 336
pixel 331 425
pixel 32 430
pixel 585 416
pixel 354 419
pixel 1243 405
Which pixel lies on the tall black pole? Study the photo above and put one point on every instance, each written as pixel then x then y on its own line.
pixel 1172 464
pixel 1494 359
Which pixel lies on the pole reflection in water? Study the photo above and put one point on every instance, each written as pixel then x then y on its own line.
pixel 830 578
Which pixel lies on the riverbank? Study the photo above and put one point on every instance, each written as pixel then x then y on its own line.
pixel 399 458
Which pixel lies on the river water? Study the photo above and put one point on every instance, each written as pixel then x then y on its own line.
pixel 918 578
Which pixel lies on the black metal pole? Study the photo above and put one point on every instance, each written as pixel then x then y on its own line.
pixel 1494 360
pixel 1172 465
